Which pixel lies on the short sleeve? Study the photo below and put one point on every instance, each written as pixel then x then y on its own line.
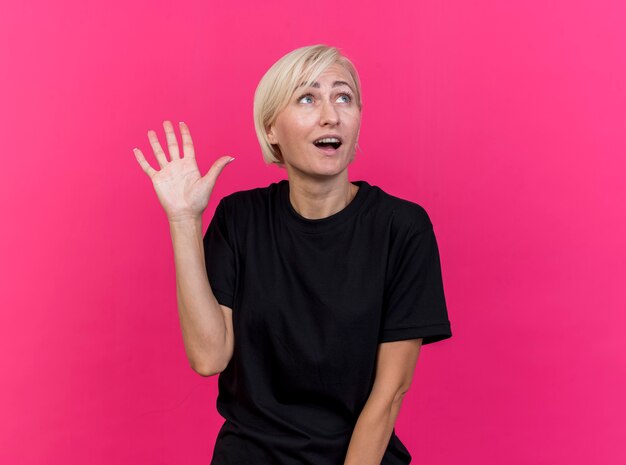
pixel 219 257
pixel 415 305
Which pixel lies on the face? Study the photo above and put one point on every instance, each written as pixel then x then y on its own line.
pixel 326 109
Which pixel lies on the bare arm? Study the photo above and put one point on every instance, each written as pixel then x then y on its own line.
pixel 206 325
pixel 395 364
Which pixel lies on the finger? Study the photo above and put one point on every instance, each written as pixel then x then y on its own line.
pixel 143 163
pixel 188 150
pixel 156 148
pixel 172 143
pixel 216 169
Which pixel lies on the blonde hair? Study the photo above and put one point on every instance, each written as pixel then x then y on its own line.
pixel 300 66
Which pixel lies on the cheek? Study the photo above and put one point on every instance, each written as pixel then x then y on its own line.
pixel 353 118
pixel 297 132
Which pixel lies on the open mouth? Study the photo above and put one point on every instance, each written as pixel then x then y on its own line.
pixel 328 145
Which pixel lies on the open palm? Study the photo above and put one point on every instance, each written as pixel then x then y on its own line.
pixel 182 191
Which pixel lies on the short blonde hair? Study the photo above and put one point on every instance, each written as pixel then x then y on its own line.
pixel 280 82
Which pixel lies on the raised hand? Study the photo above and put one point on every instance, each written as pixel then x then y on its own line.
pixel 183 193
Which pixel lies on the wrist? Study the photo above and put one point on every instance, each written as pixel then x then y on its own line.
pixel 184 220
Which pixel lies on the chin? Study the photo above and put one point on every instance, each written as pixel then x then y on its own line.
pixel 332 171
pixel 323 168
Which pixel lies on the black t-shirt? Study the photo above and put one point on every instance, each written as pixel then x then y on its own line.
pixel 311 300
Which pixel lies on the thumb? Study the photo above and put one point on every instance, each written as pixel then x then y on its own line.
pixel 216 169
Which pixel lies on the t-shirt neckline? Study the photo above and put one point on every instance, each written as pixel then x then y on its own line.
pixel 322 224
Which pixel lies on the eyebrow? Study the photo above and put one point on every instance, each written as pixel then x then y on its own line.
pixel 335 84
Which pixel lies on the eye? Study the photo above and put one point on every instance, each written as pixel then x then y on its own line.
pixel 347 96
pixel 309 96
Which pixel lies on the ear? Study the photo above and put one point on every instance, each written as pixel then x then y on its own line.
pixel 271 136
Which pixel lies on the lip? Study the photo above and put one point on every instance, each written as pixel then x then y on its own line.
pixel 323 136
pixel 328 150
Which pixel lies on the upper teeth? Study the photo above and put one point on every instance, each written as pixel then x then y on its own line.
pixel 327 140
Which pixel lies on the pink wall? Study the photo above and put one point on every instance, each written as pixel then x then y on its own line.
pixel 505 120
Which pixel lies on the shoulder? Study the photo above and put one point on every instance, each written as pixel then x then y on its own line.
pixel 249 205
pixel 249 197
pixel 406 216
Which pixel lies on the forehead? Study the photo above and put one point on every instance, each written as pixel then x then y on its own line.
pixel 333 76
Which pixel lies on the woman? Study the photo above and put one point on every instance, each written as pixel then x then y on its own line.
pixel 312 296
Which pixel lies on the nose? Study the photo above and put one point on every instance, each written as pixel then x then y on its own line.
pixel 328 114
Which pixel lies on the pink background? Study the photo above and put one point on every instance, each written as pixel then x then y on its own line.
pixel 505 120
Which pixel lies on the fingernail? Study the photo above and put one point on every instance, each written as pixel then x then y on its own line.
pixel 231 159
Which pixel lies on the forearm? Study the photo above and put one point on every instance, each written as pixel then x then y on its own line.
pixel 372 431
pixel 201 317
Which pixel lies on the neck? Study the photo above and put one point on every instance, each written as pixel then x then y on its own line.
pixel 315 200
